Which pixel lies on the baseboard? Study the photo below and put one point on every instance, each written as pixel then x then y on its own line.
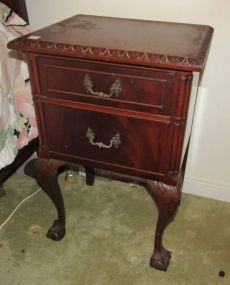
pixel 201 188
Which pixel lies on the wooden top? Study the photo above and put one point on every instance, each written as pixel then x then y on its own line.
pixel 149 43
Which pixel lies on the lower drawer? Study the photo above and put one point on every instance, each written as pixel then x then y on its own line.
pixel 136 146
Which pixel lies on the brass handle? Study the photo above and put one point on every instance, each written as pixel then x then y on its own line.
pixel 115 89
pixel 115 140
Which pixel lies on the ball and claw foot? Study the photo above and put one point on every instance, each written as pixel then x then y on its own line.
pixel 56 231
pixel 160 260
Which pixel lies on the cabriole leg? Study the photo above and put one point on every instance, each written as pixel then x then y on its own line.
pixel 90 175
pixel 167 199
pixel 46 171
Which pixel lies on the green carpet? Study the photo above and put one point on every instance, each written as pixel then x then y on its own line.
pixel 109 240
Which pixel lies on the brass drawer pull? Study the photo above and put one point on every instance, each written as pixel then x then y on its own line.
pixel 115 140
pixel 115 89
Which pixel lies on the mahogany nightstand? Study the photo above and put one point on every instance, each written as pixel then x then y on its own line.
pixel 117 95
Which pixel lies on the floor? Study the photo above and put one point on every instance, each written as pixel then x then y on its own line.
pixel 110 230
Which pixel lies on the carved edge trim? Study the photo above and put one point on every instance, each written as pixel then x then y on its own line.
pixel 195 63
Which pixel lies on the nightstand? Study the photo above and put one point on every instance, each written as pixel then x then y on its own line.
pixel 116 95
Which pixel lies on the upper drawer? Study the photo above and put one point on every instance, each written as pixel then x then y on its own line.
pixel 119 86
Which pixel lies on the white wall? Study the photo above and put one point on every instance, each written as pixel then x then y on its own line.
pixel 208 168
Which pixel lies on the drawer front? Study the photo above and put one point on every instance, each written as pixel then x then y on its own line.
pixel 141 89
pixel 117 142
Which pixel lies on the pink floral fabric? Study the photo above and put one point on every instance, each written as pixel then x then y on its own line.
pixel 17 116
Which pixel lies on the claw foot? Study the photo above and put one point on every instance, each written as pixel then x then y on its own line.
pixel 56 231
pixel 160 260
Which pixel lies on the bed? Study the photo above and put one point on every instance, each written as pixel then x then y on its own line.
pixel 18 130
